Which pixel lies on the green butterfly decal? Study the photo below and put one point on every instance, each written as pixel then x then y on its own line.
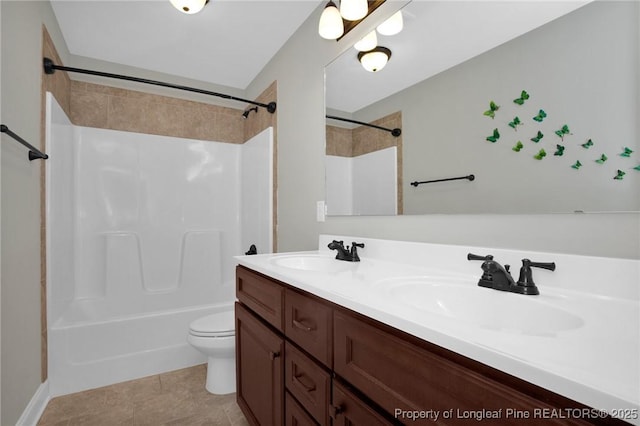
pixel 587 144
pixel 541 116
pixel 577 165
pixel 559 151
pixel 491 112
pixel 602 159
pixel 494 138
pixel 537 138
pixel 563 132
pixel 519 146
pixel 620 175
pixel 627 152
pixel 540 155
pixel 523 97
pixel 514 123
pixel 637 167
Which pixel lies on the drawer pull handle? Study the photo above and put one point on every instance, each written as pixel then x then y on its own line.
pixel 301 325
pixel 334 411
pixel 308 387
pixel 274 355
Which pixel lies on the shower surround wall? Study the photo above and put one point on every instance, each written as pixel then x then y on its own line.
pixel 141 234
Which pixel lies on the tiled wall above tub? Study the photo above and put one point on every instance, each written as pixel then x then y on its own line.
pixel 94 105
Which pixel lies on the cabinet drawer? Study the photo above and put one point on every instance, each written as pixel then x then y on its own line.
pixel 347 409
pixel 309 383
pixel 308 324
pixel 295 414
pixel 261 295
pixel 399 375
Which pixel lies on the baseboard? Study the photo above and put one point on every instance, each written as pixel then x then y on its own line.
pixel 36 406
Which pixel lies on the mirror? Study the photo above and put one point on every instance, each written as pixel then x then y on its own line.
pixel 451 60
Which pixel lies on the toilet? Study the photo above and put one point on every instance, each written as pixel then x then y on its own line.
pixel 214 336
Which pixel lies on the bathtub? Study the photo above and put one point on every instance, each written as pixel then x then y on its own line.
pixel 140 245
pixel 86 351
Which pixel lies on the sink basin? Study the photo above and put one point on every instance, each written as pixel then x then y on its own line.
pixel 310 262
pixel 462 300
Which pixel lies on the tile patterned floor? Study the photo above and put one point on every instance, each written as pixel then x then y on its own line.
pixel 176 398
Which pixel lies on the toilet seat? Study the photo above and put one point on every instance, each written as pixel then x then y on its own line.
pixel 221 324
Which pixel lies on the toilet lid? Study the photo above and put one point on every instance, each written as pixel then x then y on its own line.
pixel 221 324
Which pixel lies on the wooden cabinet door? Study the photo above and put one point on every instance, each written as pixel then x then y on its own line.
pixel 348 410
pixel 400 377
pixel 260 362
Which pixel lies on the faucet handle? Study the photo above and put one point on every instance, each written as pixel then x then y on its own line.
pixel 354 251
pixel 472 256
pixel 525 284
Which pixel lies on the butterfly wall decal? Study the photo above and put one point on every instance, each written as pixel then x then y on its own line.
pixel 540 155
pixel 577 165
pixel 523 97
pixel 620 175
pixel 564 131
pixel 541 116
pixel 491 112
pixel 588 144
pixel 514 123
pixel 537 138
pixel 602 159
pixel 627 152
pixel 494 138
pixel 559 151
pixel 518 146
pixel 637 167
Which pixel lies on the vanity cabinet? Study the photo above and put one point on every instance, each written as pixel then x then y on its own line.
pixel 321 364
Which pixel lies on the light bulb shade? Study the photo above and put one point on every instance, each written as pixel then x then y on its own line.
pixel 375 59
pixel 331 26
pixel 391 26
pixel 368 42
pixel 189 6
pixel 353 10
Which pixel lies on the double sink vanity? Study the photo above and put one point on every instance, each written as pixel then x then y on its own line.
pixel 406 335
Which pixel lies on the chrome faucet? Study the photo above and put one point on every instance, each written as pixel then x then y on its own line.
pixel 344 253
pixel 498 277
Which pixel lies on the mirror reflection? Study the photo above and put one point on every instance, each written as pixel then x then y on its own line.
pixel 448 64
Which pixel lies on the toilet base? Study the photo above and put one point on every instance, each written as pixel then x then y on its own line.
pixel 221 376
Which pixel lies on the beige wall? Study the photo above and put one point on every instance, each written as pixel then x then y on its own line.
pixel 20 191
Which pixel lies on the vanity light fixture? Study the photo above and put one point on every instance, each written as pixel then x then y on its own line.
pixel 375 59
pixel 368 42
pixel 391 26
pixel 189 6
pixel 353 10
pixel 331 26
pixel 336 22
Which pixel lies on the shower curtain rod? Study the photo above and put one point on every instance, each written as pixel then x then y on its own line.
pixel 395 132
pixel 34 153
pixel 50 68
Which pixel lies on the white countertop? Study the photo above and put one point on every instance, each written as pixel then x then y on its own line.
pixel 595 360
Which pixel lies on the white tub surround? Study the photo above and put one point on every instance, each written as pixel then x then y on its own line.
pixel 141 234
pixel 579 338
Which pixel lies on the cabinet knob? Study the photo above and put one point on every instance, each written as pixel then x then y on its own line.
pixel 334 411
pixel 274 355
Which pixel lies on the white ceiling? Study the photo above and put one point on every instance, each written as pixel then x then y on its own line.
pixel 227 43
